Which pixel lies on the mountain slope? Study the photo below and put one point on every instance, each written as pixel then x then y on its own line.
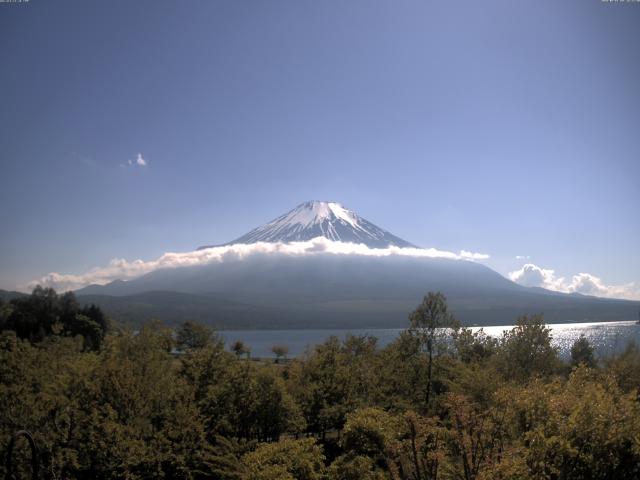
pixel 175 307
pixel 8 295
pixel 330 290
pixel 322 219
pixel 344 291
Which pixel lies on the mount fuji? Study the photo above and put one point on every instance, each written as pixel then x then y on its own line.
pixel 281 275
pixel 322 219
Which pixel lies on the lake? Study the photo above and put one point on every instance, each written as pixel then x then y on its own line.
pixel 607 338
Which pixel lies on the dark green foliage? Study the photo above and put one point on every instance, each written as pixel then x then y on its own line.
pixel 225 463
pixel 193 336
pixel 35 317
pixel 280 351
pixel 334 380
pixel 626 369
pixel 126 405
pixel 526 350
pixel 473 347
pixel 429 322
pixel 286 460
pixel 582 352
pixel 45 313
pixel 240 348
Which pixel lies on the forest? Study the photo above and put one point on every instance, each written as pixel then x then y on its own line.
pixel 441 402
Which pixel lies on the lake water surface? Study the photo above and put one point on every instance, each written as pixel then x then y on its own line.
pixel 607 338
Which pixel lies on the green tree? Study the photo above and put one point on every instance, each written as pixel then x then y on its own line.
pixel 84 326
pixel 206 368
pixel 225 463
pixel 45 313
pixel 285 460
pixel 527 350
pixel 140 418
pixel 429 323
pixel 193 336
pixel 96 315
pixel 5 312
pixel 476 437
pixel 249 401
pixel 420 451
pixel 584 428
pixel 625 368
pixel 240 348
pixel 317 387
pixel 582 352
pixel 276 412
pixel 280 351
pixel 41 390
pixel 403 373
pixel 35 317
pixel 355 467
pixel 334 379
pixel 473 347
pixel 370 432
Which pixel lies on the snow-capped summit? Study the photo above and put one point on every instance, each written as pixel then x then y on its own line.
pixel 322 219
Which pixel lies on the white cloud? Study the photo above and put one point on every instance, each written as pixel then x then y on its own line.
pixel 531 275
pixel 473 255
pixel 588 284
pixel 522 257
pixel 123 269
pixel 139 161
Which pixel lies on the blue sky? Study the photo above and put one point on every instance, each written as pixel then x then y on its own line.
pixel 508 128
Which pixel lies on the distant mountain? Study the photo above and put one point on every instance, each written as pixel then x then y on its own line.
pixel 176 307
pixel 325 290
pixel 8 295
pixel 321 219
pixel 338 291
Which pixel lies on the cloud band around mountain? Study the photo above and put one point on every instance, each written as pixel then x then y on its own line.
pixel 121 269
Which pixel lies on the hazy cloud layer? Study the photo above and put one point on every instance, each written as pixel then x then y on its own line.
pixel 124 270
pixel 531 275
